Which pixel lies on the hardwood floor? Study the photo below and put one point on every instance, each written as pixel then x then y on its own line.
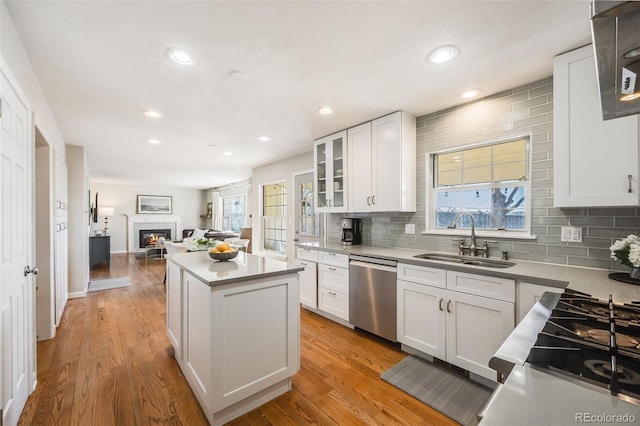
pixel 111 364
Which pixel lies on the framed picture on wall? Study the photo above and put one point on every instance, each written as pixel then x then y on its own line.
pixel 209 209
pixel 154 204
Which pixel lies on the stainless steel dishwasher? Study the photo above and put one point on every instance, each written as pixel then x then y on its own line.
pixel 372 295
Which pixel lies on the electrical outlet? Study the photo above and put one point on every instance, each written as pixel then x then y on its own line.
pixel 410 228
pixel 571 234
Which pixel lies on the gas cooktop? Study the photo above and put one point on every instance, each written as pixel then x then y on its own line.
pixel 594 341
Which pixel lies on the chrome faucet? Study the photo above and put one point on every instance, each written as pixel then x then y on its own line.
pixel 472 243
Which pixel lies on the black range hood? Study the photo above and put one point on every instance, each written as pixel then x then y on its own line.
pixel 615 27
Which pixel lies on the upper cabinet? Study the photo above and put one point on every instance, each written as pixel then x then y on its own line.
pixel 382 164
pixel 595 161
pixel 330 160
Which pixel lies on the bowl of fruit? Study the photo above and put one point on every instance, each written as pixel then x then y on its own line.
pixel 222 252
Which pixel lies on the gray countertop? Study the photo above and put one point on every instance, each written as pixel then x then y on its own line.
pixel 532 397
pixel 588 280
pixel 243 267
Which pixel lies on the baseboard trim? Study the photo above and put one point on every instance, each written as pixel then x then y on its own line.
pixel 77 294
pixel 118 251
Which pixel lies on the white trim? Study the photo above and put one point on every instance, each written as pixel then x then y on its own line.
pixel 483 233
pixel 77 294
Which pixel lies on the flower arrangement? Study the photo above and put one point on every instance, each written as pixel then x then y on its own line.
pixel 627 250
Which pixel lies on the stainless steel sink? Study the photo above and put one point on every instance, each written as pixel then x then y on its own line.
pixel 466 260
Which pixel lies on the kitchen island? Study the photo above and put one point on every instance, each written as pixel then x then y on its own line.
pixel 235 329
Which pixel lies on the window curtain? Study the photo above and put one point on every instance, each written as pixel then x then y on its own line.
pixel 216 218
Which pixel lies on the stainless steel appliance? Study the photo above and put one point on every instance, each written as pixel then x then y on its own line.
pixel 579 338
pixel 372 295
pixel 616 41
pixel 351 231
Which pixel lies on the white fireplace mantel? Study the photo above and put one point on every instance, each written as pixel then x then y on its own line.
pixel 134 219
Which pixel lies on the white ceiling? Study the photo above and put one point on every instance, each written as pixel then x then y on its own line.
pixel 101 64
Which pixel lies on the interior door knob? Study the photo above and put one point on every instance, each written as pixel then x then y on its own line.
pixel 28 270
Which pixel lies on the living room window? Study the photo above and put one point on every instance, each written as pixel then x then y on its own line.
pixel 490 181
pixel 274 221
pixel 233 212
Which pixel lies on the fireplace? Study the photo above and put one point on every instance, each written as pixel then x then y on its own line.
pixel 149 237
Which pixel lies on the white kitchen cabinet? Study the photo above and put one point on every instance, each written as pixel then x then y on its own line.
pixel 382 164
pixel 527 294
pixel 217 331
pixel 308 259
pixel 330 161
pixel 595 161
pixel 308 283
pixel 333 284
pixel 174 307
pixel 439 314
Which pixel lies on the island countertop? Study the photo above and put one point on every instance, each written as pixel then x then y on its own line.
pixel 243 267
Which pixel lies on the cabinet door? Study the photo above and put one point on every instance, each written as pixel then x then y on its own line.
pixel 308 283
pixel 329 172
pixel 595 161
pixel 360 191
pixel 174 307
pixel 421 318
pixel 528 295
pixel 476 327
pixel 386 157
pixel 197 326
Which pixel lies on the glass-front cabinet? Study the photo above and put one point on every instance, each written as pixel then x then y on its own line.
pixel 330 160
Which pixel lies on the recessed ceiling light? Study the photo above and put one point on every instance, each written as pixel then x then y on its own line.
pixel 238 76
pixel 469 94
pixel 180 56
pixel 227 153
pixel 325 111
pixel 154 141
pixel 153 114
pixel 442 54
pixel 264 138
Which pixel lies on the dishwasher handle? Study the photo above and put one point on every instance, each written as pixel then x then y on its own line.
pixel 373 266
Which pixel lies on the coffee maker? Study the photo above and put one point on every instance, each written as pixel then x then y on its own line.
pixel 351 231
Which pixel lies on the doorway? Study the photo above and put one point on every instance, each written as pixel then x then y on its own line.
pixel 45 295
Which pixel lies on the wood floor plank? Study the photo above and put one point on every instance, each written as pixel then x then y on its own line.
pixel 111 363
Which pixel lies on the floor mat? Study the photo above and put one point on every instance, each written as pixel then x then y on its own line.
pixel 454 396
pixel 109 283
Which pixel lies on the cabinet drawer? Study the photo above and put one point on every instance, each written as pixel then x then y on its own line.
pixel 334 259
pixel 307 254
pixel 481 285
pixel 422 275
pixel 333 278
pixel 333 302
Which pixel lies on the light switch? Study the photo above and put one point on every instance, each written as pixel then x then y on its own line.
pixel 410 228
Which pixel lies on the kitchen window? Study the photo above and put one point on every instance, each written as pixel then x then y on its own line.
pixel 490 181
pixel 233 208
pixel 274 221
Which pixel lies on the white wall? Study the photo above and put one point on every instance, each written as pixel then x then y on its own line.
pixel 14 57
pixel 187 203
pixel 275 172
pixel 78 187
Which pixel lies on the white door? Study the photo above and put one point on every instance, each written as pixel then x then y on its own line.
pixel 17 308
pixel 309 225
